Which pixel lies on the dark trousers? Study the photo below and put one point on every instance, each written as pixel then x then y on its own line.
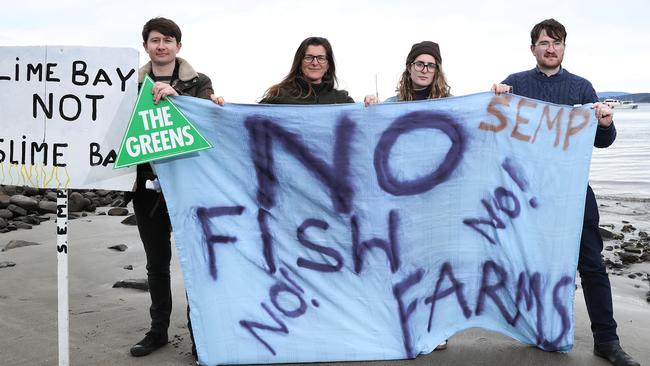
pixel 593 273
pixel 155 232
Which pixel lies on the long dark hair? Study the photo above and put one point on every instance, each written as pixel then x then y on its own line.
pixel 294 83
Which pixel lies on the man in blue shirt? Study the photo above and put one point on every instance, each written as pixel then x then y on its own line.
pixel 549 82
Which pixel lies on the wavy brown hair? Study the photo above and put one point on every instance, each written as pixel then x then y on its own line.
pixel 294 84
pixel 439 86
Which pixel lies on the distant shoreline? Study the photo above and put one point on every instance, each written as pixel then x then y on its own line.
pixel 622 198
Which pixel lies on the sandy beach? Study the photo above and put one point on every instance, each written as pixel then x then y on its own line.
pixel 106 321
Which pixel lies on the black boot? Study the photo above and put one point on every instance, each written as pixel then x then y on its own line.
pixel 151 342
pixel 613 352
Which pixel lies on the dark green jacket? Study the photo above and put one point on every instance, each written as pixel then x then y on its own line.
pixel 323 93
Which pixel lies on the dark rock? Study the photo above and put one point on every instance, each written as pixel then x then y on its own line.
pixel 609 248
pixel 10 190
pixel 72 216
pixel 11 227
pixel 51 196
pixel 22 225
pixel 614 265
pixel 633 250
pixel 119 247
pixel 611 226
pixel 103 193
pixel 628 228
pixel 129 267
pixel 43 218
pixel 628 257
pixel 643 234
pixel 32 220
pixel 131 220
pixel 645 257
pixel 118 211
pixel 77 202
pixel 606 234
pixel 625 222
pixel 628 244
pixel 632 275
pixel 31 191
pixel 7 264
pixel 25 202
pixel 4 200
pixel 91 207
pixel 18 211
pixel 17 244
pixel 6 214
pixel 101 213
pixel 3 223
pixel 90 195
pixel 138 284
pixel 46 207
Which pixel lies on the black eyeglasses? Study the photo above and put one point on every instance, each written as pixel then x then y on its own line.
pixel 419 66
pixel 310 58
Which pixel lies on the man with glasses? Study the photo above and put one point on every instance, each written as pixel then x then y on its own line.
pixel 549 82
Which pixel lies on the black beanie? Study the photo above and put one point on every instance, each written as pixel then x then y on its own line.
pixel 425 47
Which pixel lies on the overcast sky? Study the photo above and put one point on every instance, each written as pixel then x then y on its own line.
pixel 246 46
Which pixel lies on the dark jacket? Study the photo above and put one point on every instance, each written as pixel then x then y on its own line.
pixel 189 83
pixel 323 93
pixel 561 88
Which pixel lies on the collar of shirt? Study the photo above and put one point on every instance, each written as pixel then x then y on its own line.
pixel 560 72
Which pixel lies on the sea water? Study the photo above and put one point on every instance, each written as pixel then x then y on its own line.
pixel 622 171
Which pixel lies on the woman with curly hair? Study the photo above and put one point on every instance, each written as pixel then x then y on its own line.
pixel 422 78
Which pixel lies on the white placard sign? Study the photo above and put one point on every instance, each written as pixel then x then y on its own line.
pixel 63 111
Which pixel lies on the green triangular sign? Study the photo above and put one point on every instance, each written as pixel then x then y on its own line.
pixel 157 131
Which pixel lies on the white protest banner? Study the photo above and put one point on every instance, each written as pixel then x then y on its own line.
pixel 63 111
pixel 331 233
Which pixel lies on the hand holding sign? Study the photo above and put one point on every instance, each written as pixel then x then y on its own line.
pixel 157 129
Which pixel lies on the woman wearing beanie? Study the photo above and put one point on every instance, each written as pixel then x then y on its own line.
pixel 422 78
pixel 312 78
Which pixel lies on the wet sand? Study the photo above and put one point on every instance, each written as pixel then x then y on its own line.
pixel 106 321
